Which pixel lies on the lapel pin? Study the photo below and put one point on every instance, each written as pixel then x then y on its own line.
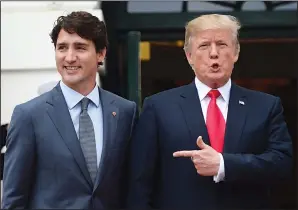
pixel 241 102
pixel 114 114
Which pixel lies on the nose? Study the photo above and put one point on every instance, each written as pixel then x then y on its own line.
pixel 213 51
pixel 70 56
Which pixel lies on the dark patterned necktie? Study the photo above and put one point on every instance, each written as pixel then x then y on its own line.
pixel 87 139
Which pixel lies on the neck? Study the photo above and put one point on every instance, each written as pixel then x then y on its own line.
pixel 83 89
pixel 214 84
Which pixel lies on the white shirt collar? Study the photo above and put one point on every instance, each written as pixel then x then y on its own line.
pixel 73 97
pixel 203 90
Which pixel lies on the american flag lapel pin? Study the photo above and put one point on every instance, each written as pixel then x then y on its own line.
pixel 114 114
pixel 241 102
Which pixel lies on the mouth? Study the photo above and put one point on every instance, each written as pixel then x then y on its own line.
pixel 72 68
pixel 215 66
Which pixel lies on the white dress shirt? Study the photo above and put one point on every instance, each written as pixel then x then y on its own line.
pixel 222 102
pixel 94 110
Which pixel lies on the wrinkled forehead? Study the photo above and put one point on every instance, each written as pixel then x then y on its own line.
pixel 213 35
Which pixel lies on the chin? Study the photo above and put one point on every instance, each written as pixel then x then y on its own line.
pixel 71 80
pixel 217 82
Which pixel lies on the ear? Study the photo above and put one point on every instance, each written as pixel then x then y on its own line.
pixel 236 56
pixel 237 50
pixel 189 57
pixel 101 55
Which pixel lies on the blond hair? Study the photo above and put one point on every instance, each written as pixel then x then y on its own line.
pixel 211 21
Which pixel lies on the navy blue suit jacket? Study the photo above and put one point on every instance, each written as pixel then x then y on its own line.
pixel 257 152
pixel 44 165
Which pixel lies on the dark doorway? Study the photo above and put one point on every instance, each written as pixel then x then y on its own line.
pixel 263 59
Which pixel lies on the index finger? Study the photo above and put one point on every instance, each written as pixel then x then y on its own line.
pixel 184 153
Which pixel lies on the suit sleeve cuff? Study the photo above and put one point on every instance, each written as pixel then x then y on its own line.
pixel 221 171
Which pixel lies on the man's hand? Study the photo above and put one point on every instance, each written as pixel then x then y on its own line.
pixel 206 160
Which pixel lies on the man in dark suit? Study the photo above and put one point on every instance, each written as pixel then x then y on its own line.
pixel 210 144
pixel 67 148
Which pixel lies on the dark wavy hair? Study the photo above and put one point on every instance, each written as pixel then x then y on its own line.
pixel 85 25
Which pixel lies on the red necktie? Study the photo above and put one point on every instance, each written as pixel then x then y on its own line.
pixel 215 122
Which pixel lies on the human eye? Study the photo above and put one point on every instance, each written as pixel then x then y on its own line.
pixel 61 47
pixel 203 46
pixel 81 48
pixel 222 44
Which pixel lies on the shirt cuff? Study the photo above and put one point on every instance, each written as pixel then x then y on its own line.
pixel 221 171
pixel 3 150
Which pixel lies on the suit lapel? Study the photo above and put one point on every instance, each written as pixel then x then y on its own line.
pixel 236 118
pixel 58 112
pixel 191 107
pixel 110 121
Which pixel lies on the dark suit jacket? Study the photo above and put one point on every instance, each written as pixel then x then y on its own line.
pixel 257 152
pixel 2 144
pixel 44 164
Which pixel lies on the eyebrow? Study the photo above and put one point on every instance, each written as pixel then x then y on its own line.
pixel 221 40
pixel 75 43
pixel 203 42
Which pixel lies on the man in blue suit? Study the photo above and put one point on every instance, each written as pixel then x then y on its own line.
pixel 210 144
pixel 67 148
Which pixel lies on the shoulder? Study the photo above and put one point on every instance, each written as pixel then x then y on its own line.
pixel 168 95
pixel 35 103
pixel 23 113
pixel 259 102
pixel 258 96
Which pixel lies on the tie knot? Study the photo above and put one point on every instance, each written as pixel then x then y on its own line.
pixel 84 103
pixel 213 94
